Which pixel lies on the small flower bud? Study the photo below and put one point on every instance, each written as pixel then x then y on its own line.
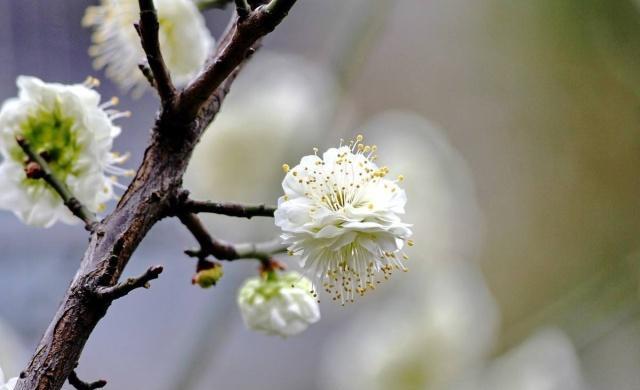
pixel 208 277
pixel 275 304
pixel 33 170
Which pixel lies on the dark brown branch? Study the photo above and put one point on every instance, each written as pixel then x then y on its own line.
pixel 246 32
pixel 150 197
pixel 38 168
pixel 229 209
pixel 81 385
pixel 225 251
pixel 112 293
pixel 242 8
pixel 148 28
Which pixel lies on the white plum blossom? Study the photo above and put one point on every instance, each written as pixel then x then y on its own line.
pixel 69 127
pixel 184 38
pixel 8 385
pixel 341 215
pixel 282 305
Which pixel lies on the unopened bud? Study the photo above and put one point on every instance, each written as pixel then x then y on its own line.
pixel 33 170
pixel 206 278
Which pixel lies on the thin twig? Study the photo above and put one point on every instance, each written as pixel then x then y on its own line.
pixel 81 385
pixel 43 170
pixel 247 32
pixel 121 289
pixel 229 209
pixel 148 28
pixel 225 251
pixel 242 8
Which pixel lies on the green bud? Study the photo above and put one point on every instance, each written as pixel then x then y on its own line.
pixel 208 277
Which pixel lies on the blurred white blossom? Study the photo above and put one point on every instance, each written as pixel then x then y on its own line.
pixel 184 38
pixel 281 304
pixel 425 341
pixel 69 126
pixel 438 183
pixel 341 215
pixel 275 111
pixel 13 352
pixel 9 384
pixel 545 361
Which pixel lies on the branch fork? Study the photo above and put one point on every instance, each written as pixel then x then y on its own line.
pixel 165 160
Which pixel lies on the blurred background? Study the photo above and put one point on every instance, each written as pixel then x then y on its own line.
pixel 517 126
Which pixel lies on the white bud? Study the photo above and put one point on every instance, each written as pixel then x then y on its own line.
pixel 278 304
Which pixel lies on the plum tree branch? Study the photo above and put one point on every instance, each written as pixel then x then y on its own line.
pixel 118 291
pixel 81 385
pixel 245 33
pixel 229 209
pixel 148 28
pixel 38 168
pixel 225 251
pixel 151 196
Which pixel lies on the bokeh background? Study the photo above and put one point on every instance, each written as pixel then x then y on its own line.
pixel 517 125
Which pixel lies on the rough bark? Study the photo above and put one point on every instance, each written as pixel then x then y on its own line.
pixel 151 196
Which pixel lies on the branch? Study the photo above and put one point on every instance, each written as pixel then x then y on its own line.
pixel 149 198
pixel 247 31
pixel 229 209
pixel 38 168
pixel 225 251
pixel 242 8
pixel 147 28
pixel 121 289
pixel 81 385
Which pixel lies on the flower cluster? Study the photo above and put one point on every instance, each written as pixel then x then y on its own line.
pixel 184 39
pixel 278 304
pixel 73 132
pixel 340 214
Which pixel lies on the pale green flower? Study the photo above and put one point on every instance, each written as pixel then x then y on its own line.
pixel 68 125
pixel 282 305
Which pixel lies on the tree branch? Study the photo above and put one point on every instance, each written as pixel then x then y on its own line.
pixel 150 197
pixel 246 32
pixel 242 8
pixel 38 168
pixel 229 209
pixel 148 28
pixel 81 385
pixel 225 251
pixel 112 293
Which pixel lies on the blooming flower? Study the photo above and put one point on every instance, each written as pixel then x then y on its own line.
pixel 341 215
pixel 9 385
pixel 66 125
pixel 278 305
pixel 184 40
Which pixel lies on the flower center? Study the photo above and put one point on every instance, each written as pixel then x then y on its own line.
pixel 51 135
